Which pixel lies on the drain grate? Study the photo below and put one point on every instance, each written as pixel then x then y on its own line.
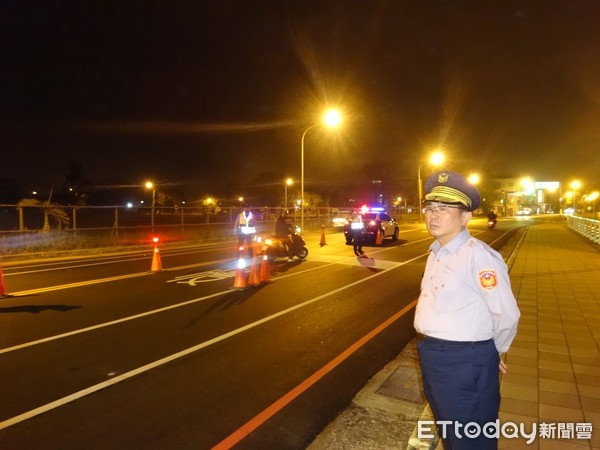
pixel 403 384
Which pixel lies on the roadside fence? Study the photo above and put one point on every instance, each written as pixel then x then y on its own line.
pixel 50 228
pixel 590 228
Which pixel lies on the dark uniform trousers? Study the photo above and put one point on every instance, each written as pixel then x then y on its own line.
pixel 461 383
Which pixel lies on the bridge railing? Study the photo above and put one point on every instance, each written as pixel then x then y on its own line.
pixel 589 228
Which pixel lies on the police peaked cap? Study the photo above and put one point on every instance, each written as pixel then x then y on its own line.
pixel 450 187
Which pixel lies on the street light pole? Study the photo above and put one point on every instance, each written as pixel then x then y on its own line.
pixel 151 185
pixel 420 193
pixel 288 182
pixel 331 118
pixel 302 177
pixel 153 207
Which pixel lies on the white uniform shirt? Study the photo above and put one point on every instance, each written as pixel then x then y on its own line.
pixel 466 294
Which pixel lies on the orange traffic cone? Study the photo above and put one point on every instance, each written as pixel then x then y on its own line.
pixel 240 281
pixel 379 238
pixel 254 277
pixel 3 292
pixel 323 236
pixel 265 273
pixel 156 262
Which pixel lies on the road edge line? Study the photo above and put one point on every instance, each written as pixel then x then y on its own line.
pixel 254 423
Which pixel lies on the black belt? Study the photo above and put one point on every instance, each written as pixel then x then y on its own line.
pixel 434 340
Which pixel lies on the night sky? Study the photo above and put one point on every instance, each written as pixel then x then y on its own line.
pixel 213 96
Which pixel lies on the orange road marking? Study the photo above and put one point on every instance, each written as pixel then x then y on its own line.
pixel 246 429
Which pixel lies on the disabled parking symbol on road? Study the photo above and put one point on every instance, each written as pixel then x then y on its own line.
pixel 203 277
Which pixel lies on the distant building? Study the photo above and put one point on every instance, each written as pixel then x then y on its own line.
pixel 524 194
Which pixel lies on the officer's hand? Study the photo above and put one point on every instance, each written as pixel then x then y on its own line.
pixel 503 367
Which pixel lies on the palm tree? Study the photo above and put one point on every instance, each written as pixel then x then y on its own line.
pixel 51 210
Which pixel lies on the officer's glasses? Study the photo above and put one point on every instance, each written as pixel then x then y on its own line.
pixel 441 209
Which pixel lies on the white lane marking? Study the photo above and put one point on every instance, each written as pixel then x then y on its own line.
pixel 137 316
pixel 132 373
pixel 354 261
pixel 388 265
pixel 392 265
pixel 78 284
pixel 102 261
pixel 140 274
pixel 53 269
pixel 112 322
pixel 108 279
pixel 208 263
pixel 204 277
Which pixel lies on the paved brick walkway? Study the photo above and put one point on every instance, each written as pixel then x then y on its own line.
pixel 554 362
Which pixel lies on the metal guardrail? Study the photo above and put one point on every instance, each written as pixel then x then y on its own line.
pixel 589 228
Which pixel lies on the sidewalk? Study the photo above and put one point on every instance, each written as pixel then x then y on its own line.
pixel 554 362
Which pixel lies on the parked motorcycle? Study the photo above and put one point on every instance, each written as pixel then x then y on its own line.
pixel 276 248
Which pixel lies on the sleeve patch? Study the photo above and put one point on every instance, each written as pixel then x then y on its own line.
pixel 488 280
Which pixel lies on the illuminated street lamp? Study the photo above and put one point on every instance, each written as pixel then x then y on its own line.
pixel 150 185
pixel 474 178
pixel 436 159
pixel 288 182
pixel 569 197
pixel 332 118
pixel 591 198
pixel 399 203
pixel 527 186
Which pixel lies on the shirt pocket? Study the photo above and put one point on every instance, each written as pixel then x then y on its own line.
pixel 453 294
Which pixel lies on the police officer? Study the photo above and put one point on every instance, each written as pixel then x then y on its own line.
pixel 283 232
pixel 245 229
pixel 465 318
pixel 357 227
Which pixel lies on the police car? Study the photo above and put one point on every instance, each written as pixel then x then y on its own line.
pixel 374 221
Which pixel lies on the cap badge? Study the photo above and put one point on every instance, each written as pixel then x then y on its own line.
pixel 443 177
pixel 488 280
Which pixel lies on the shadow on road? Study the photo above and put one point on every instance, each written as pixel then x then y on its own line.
pixel 386 243
pixel 36 309
pixel 235 297
pixel 284 266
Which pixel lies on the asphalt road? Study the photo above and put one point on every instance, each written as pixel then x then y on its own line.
pixel 99 353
